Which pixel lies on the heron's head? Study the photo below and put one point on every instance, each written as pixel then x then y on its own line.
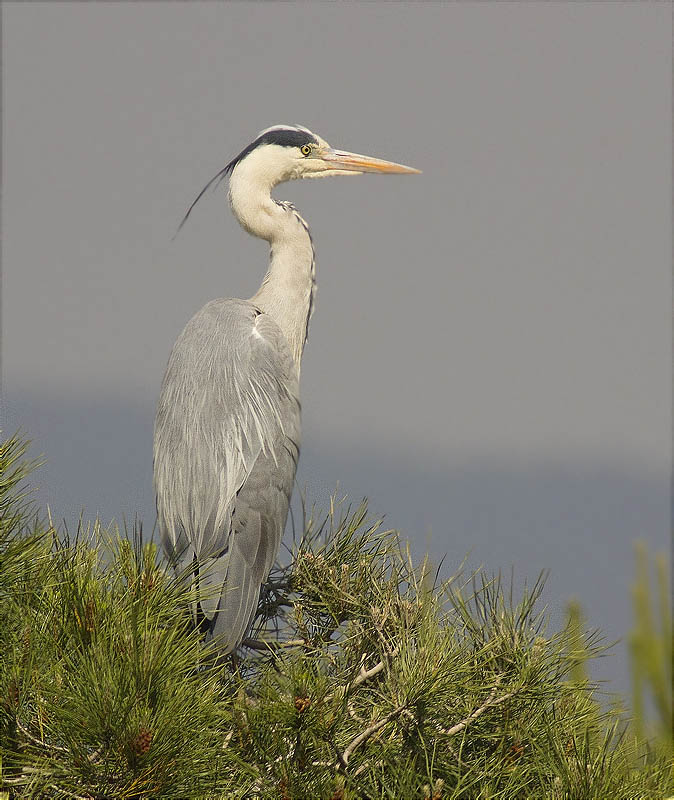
pixel 286 152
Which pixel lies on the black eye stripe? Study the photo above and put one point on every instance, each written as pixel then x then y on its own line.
pixel 285 138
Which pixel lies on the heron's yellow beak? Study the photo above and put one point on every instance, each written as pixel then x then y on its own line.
pixel 352 162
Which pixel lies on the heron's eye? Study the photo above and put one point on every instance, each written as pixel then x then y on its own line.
pixel 305 149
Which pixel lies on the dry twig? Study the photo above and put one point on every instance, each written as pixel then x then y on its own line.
pixel 344 757
pixel 490 702
pixel 364 674
pixel 266 647
pixel 39 742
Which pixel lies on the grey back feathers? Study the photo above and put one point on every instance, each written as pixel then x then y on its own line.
pixel 227 437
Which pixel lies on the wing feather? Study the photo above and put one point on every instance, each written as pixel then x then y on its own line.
pixel 226 444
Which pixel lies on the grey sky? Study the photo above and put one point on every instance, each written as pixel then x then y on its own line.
pixel 490 353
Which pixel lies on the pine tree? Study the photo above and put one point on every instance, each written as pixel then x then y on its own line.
pixel 366 676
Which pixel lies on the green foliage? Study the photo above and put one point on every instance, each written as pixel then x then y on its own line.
pixel 650 643
pixel 366 677
pixel 99 677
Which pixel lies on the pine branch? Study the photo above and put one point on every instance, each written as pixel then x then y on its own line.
pixel 39 742
pixel 366 674
pixel 489 703
pixel 343 758
pixel 267 646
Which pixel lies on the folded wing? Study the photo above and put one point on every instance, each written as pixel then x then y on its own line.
pixel 226 445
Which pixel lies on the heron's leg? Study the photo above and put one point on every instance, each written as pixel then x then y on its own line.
pixel 204 624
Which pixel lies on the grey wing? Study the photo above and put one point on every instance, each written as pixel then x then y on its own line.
pixel 226 445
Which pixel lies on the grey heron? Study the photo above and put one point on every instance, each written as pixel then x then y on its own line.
pixel 227 428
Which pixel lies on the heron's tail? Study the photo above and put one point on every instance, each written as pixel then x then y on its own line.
pixel 229 591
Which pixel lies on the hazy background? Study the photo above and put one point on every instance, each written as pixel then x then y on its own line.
pixel 489 360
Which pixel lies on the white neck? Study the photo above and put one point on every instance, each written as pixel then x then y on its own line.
pixel 286 293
